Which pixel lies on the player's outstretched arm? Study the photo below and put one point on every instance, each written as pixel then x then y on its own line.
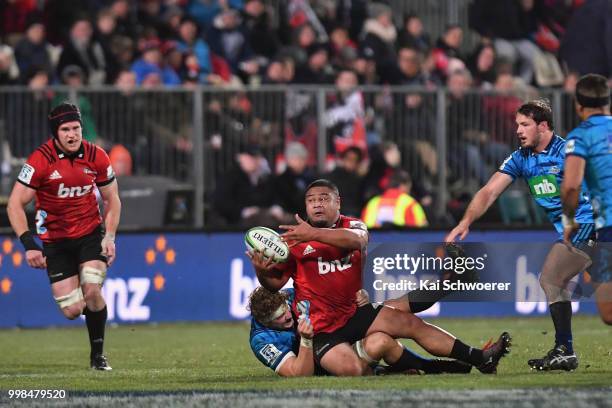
pixel 570 192
pixel 112 206
pixel 346 238
pixel 19 198
pixel 303 364
pixel 482 201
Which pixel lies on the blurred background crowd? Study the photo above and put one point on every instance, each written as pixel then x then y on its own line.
pixel 292 90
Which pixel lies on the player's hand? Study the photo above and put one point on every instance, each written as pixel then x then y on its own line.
pixel 569 227
pixel 260 262
pixel 462 230
pixel 305 329
pixel 35 259
pixel 362 297
pixel 108 248
pixel 301 232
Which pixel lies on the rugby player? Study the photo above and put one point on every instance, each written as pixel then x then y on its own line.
pixel 589 157
pixel 63 174
pixel 539 161
pixel 274 341
pixel 326 263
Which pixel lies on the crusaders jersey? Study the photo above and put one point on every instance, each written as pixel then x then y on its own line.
pixel 329 277
pixel 66 205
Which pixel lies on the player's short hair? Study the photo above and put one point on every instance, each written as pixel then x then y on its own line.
pixel 539 110
pixel 262 303
pixel 592 91
pixel 62 113
pixel 323 183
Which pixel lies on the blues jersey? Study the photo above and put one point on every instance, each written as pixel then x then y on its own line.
pixel 272 347
pixel 543 172
pixel 592 140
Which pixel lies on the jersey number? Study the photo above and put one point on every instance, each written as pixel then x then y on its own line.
pixel 41 215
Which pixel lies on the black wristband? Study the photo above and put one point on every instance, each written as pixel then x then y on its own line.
pixel 27 240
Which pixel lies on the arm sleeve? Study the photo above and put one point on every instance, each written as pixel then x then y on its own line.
pixel 33 171
pixel 510 166
pixel 270 350
pixel 576 145
pixel 105 173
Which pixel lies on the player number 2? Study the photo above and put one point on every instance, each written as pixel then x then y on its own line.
pixel 41 215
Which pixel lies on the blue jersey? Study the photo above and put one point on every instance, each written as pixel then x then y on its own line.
pixel 543 172
pixel 592 140
pixel 272 347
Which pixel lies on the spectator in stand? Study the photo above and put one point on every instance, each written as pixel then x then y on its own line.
pixel 509 25
pixel 150 69
pixel 229 40
pixel 500 117
pixel 33 51
pixel 379 35
pixel 172 17
pixel 291 185
pixel 82 50
pixel 446 55
pixel 304 39
pixel 317 69
pixel 149 15
pixel 395 206
pixel 205 11
pixel 407 70
pixel 9 71
pixel 343 49
pixel 106 28
pixel 126 26
pixel 14 16
pixel 245 195
pixel 586 46
pixel 412 34
pixel 346 175
pixel 189 42
pixel 345 118
pixel 257 22
pixel 482 66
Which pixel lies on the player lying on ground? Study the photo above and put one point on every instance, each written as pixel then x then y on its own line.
pixel 329 239
pixel 589 159
pixel 274 341
pixel 539 161
pixel 63 175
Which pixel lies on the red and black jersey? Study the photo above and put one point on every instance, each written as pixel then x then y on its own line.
pixel 329 277
pixel 65 189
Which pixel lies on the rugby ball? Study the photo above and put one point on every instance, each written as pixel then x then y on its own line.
pixel 267 241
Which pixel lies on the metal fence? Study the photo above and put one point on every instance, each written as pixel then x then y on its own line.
pixel 449 143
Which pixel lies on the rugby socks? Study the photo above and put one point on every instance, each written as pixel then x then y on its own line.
pixel 96 322
pixel 463 352
pixel 561 313
pixel 420 299
pixel 407 361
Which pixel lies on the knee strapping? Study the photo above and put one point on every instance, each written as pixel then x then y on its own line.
pixel 361 352
pixel 70 299
pixel 89 274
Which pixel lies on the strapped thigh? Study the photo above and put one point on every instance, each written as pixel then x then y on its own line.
pixel 70 299
pixel 89 274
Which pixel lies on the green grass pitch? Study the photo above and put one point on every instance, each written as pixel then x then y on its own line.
pixel 216 357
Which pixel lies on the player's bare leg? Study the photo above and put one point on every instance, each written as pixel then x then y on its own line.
pixel 69 297
pixel 438 342
pixel 603 294
pixel 92 274
pixel 341 360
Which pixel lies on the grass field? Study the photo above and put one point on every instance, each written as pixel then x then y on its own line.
pixel 216 358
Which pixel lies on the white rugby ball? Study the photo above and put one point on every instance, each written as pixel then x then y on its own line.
pixel 267 241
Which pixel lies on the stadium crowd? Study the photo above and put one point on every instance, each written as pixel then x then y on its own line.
pixel 524 45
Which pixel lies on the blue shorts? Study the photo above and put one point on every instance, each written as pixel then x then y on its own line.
pixel 601 270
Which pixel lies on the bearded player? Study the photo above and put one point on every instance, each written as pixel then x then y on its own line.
pixel 62 175
pixel 539 161
pixel 326 263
